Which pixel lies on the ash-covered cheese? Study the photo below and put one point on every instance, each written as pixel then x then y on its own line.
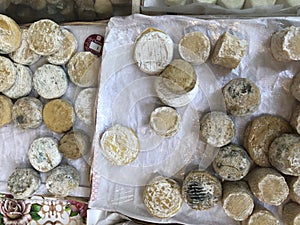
pixel 67 50
pixel 85 105
pixel 179 77
pixel 119 145
pixel 165 121
pixel 232 163
pixel 285 44
pixel 294 185
pixel 217 129
pixel 23 83
pixel 295 86
pixel 162 197
pixel 10 35
pixel 268 185
pixel 8 73
pixel 229 51
pixel 74 144
pixel 291 214
pixel 24 55
pixel 45 37
pixel 83 69
pixel 194 47
pixel 261 217
pixel 175 2
pixel 62 181
pixel 58 115
pixel 258 3
pixel 43 154
pixel 288 3
pixel 23 182
pixel 153 51
pixel 259 135
pixel 284 154
pixel 50 81
pixel 231 4
pixel 27 112
pixel 237 200
pixel 201 190
pixel 241 96
pixel 5 110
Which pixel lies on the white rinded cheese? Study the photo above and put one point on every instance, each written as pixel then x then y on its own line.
pixel 291 214
pixel 258 3
pixel 288 3
pixel 85 105
pixel 120 145
pixel 268 185
pixel 217 129
pixel 50 81
pixel 194 47
pixel 23 182
pixel 285 44
pixel 229 51
pixel 5 110
pixel 10 35
pixel 62 181
pixel 153 51
pixel 24 55
pixel 67 50
pixel 23 83
pixel 45 37
pixel 175 2
pixel 8 73
pixel 27 112
pixel 261 217
pixel 231 4
pixel 294 185
pixel 162 197
pixel 165 121
pixel 201 190
pixel 43 154
pixel 295 119
pixel 295 86
pixel 237 200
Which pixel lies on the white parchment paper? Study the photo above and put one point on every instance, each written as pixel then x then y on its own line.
pixel 15 142
pixel 127 97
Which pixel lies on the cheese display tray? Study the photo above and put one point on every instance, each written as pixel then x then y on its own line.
pixel 127 97
pixel 15 141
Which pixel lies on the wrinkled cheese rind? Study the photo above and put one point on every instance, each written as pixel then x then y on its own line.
pixel 8 73
pixel 23 182
pixel 284 154
pixel 201 190
pixel 5 110
pixel 291 214
pixel 162 197
pixel 261 217
pixel 294 185
pixel 62 181
pixel 43 154
pixel 84 105
pixel 261 179
pixel 217 129
pixel 295 86
pixel 119 145
pixel 259 135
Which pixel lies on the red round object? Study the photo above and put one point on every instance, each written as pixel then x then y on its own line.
pixel 94 44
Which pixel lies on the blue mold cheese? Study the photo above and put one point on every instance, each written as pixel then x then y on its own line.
pixel 62 181
pixel 201 190
pixel 50 81
pixel 162 197
pixel 27 113
pixel 232 163
pixel 229 51
pixel 5 110
pixel 23 83
pixel 153 51
pixel 119 145
pixel 284 154
pixel 24 55
pixel 261 216
pixel 45 37
pixel 291 214
pixel 8 73
pixel 261 179
pixel 43 154
pixel 217 129
pixel 242 97
pixel 237 200
pixel 67 50
pixel 23 182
